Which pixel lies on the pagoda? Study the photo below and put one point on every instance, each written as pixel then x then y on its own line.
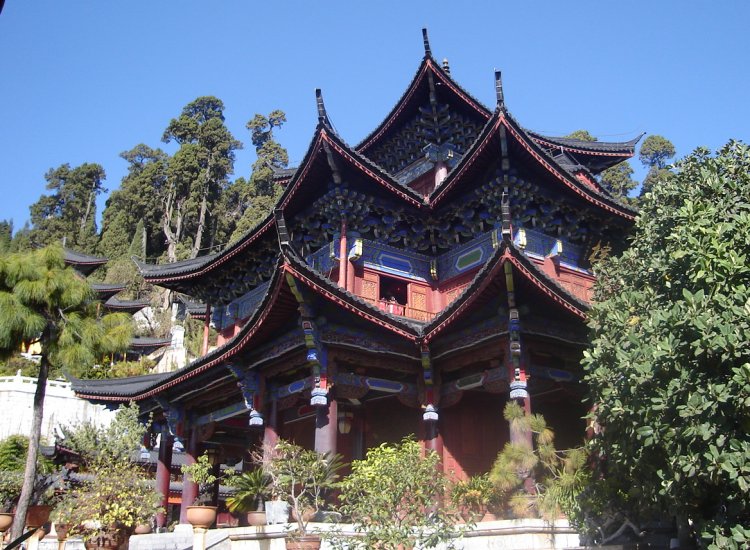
pixel 412 284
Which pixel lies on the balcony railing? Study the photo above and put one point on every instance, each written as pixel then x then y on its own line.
pixel 400 310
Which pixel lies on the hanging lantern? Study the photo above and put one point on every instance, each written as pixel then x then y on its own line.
pixel 319 397
pixel 345 422
pixel 518 390
pixel 256 419
pixel 430 414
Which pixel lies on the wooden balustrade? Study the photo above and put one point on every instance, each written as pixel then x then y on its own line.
pixel 400 310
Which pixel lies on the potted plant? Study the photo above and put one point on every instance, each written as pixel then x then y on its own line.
pixel 108 504
pixel 393 497
pixel 302 477
pixel 201 472
pixel 472 497
pixel 10 489
pixel 250 490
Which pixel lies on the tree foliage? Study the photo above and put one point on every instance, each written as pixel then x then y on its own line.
pixel 69 212
pixel 656 151
pixel 391 497
pixel 42 299
pixel 115 495
pixel 559 475
pixel 117 441
pixel 256 197
pixel 197 173
pixel 618 179
pixel 136 207
pixel 669 364
pixel 6 235
pixel 583 135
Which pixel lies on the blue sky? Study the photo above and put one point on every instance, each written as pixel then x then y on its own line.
pixel 82 81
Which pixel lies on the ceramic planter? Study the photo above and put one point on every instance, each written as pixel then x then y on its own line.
pixel 116 540
pixel 37 515
pixel 308 542
pixel 62 531
pixel 201 516
pixel 6 520
pixel 256 518
pixel 142 529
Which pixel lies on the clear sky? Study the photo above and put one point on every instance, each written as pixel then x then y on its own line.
pixel 82 81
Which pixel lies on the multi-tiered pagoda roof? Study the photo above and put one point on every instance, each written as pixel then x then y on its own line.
pixel 415 262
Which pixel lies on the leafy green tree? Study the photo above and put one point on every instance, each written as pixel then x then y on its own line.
pixel 69 213
pixel 256 198
pixel 117 441
pixel 42 299
pixel 390 497
pixel 618 179
pixel 669 364
pixel 583 135
pixel 197 172
pixel 136 207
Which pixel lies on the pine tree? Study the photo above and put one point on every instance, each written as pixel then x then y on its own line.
pixel 43 300
pixel 197 173
pixel 69 212
pixel 256 198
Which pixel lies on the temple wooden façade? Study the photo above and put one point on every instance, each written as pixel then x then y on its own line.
pixel 409 285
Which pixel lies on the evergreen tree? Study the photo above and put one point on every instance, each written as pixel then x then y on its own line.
pixel 6 235
pixel 583 135
pixel 69 213
pixel 618 179
pixel 43 300
pixel 137 201
pixel 197 173
pixel 654 154
pixel 256 198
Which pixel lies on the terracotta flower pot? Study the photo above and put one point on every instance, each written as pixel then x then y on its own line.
pixel 62 531
pixel 201 516
pixel 37 516
pixel 256 518
pixel 6 520
pixel 117 540
pixel 309 542
pixel 142 529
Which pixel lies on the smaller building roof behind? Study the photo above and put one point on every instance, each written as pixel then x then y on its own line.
pixel 85 263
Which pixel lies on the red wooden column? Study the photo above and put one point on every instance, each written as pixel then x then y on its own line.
pixel 189 488
pixel 206 330
pixel 326 427
pixel 343 260
pixel 433 440
pixel 271 428
pixel 163 473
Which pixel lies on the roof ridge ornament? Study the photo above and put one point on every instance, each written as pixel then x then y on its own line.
pixel 426 41
pixel 322 114
pixel 499 89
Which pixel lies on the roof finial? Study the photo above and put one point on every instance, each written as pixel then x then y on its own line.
pixel 499 89
pixel 322 116
pixel 446 67
pixel 426 40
